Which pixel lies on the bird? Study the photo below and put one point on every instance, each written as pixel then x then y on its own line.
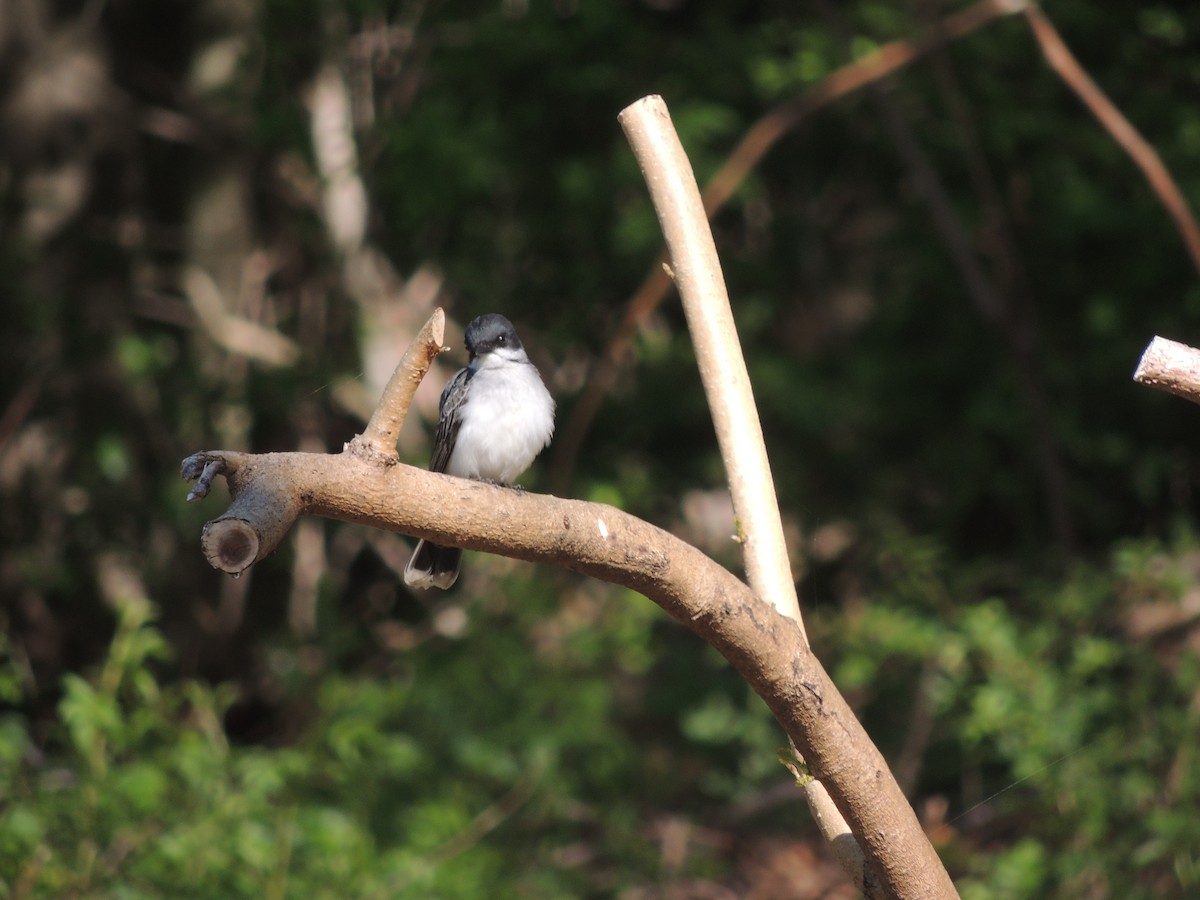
pixel 494 418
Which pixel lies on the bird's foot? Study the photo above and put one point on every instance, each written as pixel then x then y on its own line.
pixel 492 481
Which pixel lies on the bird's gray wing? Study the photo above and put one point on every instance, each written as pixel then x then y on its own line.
pixel 448 422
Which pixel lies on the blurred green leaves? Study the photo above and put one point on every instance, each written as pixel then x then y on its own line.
pixel 1045 704
pixel 140 791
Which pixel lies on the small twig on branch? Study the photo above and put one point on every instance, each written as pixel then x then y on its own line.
pixel 1172 367
pixel 267 501
pixel 1062 61
pixel 384 427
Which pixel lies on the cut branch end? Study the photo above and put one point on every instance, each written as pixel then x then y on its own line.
pixel 1172 367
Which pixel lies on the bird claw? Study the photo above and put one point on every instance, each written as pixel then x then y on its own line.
pixel 495 483
pixel 202 468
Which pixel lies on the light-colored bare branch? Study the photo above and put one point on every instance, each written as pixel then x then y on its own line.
pixel 344 198
pixel 1171 367
pixel 384 427
pixel 697 271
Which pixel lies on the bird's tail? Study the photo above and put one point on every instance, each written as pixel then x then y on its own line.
pixel 433 566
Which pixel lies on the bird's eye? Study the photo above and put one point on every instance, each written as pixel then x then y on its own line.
pixel 501 339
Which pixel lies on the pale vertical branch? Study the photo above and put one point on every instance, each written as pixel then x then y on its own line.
pixel 837 834
pixel 697 272
pixel 390 307
pixel 308 565
pixel 1144 156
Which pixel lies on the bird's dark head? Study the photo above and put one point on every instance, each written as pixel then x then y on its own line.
pixel 491 332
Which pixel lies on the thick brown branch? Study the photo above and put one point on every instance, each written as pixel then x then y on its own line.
pixel 767 648
pixel 1171 367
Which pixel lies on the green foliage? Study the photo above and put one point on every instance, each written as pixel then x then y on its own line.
pixel 139 793
pixel 1073 732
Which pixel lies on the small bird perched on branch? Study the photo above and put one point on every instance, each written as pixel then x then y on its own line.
pixel 495 417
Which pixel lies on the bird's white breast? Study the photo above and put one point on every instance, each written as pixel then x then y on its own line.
pixel 505 423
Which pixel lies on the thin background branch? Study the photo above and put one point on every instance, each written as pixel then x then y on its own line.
pixel 1064 63
pixel 697 271
pixel 999 309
